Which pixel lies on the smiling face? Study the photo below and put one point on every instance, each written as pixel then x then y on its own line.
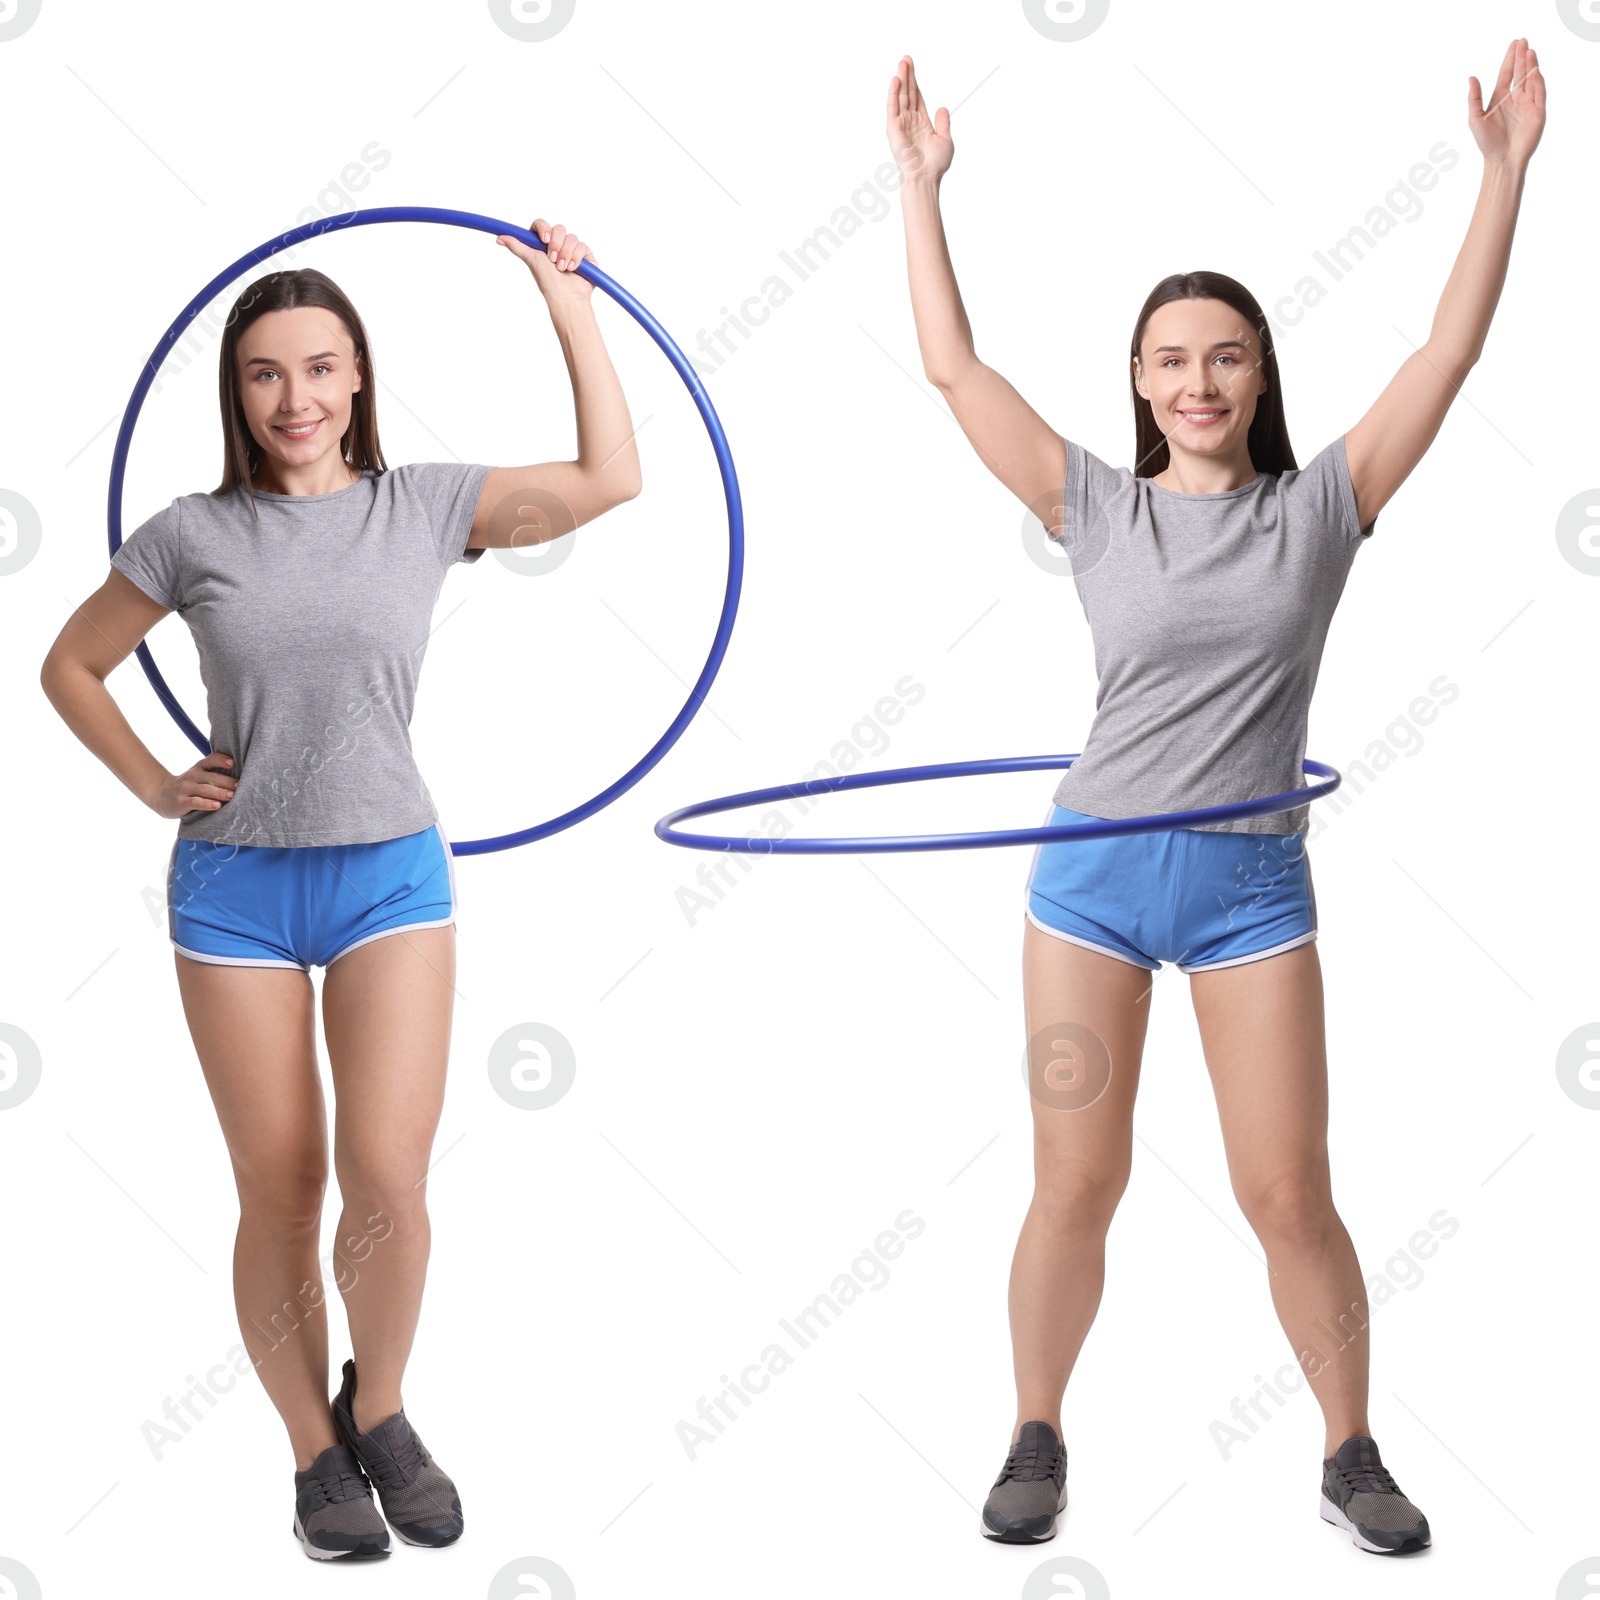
pixel 297 372
pixel 1200 369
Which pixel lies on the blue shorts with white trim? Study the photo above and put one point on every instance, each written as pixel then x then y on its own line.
pixel 1203 899
pixel 304 906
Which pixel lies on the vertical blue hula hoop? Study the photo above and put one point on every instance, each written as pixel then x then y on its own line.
pixel 588 270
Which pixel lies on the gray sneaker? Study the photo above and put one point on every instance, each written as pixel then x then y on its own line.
pixel 1031 1489
pixel 334 1515
pixel 418 1497
pixel 1359 1496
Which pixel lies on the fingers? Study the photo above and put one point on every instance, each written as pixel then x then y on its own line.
pixel 551 235
pixel 1532 81
pixel 219 783
pixel 563 250
pixel 202 797
pixel 903 95
pixel 569 253
pixel 911 101
pixel 1503 82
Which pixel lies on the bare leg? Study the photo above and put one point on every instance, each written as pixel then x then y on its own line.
pixel 1086 1020
pixel 1261 1025
pixel 253 1032
pixel 386 1009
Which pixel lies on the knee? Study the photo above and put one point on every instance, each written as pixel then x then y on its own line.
pixel 381 1196
pixel 286 1194
pixel 1293 1212
pixel 1078 1197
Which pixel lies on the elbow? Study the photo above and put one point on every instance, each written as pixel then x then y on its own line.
pixel 952 363
pixel 950 376
pixel 612 483
pixel 50 677
pixel 623 484
pixel 1454 361
pixel 600 492
pixel 59 669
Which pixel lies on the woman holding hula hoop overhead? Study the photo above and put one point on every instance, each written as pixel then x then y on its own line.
pixel 1208 573
pixel 308 578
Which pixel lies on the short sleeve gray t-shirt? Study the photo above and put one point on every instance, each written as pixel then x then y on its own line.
pixel 311 623
pixel 1209 613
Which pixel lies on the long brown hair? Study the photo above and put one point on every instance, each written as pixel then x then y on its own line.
pixel 287 291
pixel 1268 442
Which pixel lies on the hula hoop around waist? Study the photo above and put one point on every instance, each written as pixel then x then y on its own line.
pixel 1099 829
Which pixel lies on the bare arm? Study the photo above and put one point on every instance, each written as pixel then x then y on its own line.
pixel 1016 444
pixel 519 506
pixel 1388 442
pixel 102 632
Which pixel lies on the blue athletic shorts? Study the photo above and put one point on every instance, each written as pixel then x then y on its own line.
pixel 1200 899
pixel 270 906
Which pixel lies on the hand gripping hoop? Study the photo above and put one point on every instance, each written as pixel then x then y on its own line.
pixel 963 841
pixel 588 270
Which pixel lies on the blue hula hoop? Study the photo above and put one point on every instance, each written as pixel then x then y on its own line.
pixel 1098 829
pixel 587 268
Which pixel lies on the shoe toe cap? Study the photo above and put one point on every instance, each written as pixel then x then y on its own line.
pixel 436 1530
pixel 439 1533
pixel 1022 1529
pixel 351 1544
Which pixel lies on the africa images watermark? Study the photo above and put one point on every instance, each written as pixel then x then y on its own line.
pixel 1340 258
pixel 261 804
pixel 184 1411
pixel 866 738
pixel 1402 1270
pixel 868 202
pixel 803 1329
pixel 1402 737
pixel 265 803
pixel 332 199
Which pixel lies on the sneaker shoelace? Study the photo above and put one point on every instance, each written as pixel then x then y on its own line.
pixel 395 1471
pixel 330 1488
pixel 1028 1463
pixel 1369 1480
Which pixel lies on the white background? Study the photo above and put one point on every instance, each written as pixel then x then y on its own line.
pixel 760 1092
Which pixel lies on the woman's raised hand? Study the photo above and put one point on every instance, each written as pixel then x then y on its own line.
pixel 921 148
pixel 204 787
pixel 555 268
pixel 1510 128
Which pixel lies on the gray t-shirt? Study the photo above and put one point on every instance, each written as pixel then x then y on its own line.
pixel 1208 614
pixel 311 625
